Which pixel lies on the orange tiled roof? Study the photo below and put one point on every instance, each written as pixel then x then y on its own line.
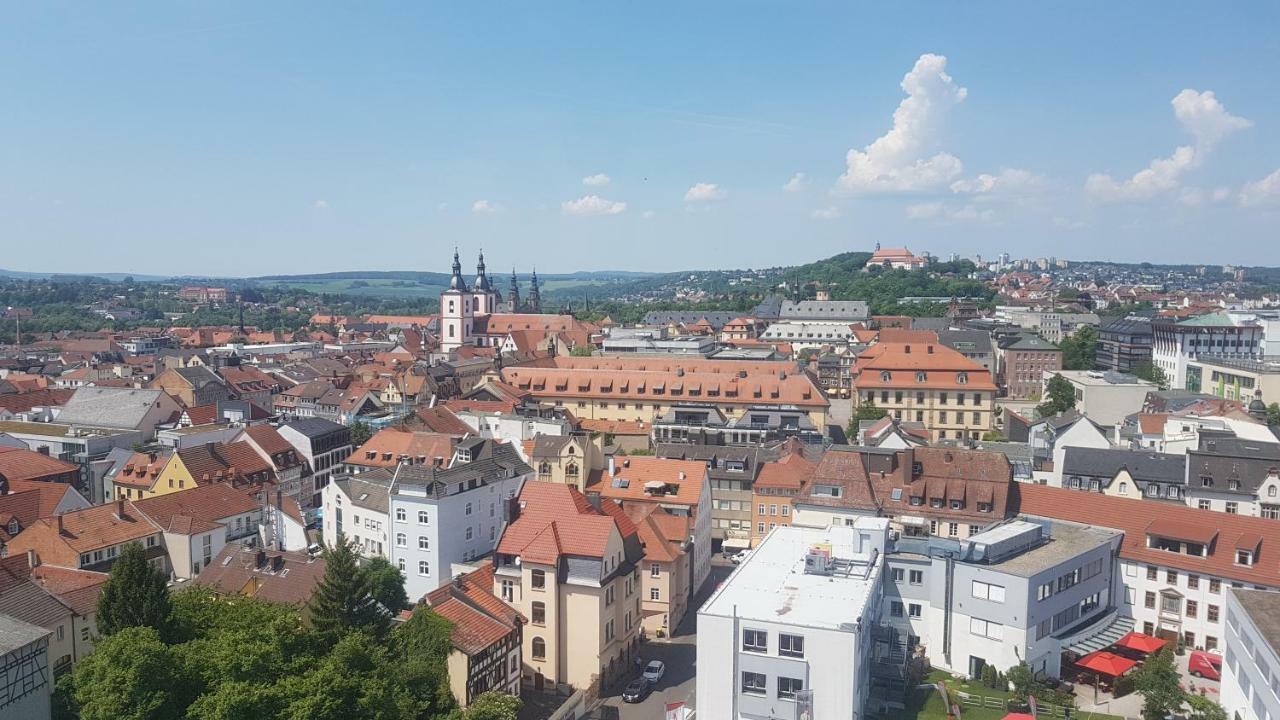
pixel 440 419
pixel 217 462
pixel 640 471
pixel 141 471
pixel 1152 423
pixel 389 445
pixel 558 520
pixel 23 464
pixel 903 361
pixel 27 502
pixel 479 618
pixel 82 531
pixel 789 473
pixel 616 427
pixel 197 509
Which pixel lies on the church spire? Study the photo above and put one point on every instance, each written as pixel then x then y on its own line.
pixel 482 280
pixel 535 295
pixel 457 282
pixel 514 292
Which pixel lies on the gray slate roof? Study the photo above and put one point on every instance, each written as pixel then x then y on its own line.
pixel 15 633
pixel 314 427
pixel 663 317
pixel 28 602
pixel 493 461
pixel 852 310
pixel 368 490
pixel 1143 465
pixel 109 407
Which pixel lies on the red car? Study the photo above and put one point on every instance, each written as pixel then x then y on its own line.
pixel 1204 664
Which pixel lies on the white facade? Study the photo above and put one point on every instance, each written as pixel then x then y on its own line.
pixel 1173 345
pixel 778 641
pixel 1251 667
pixel 1162 599
pixel 514 429
pixel 346 520
pixel 453 518
pixel 1106 398
pixel 811 334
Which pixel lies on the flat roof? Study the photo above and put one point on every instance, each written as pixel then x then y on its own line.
pixel 772 586
pixel 1269 364
pixel 1095 377
pixel 1066 540
pixel 1263 608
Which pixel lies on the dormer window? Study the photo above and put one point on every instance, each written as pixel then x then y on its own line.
pixel 1271 491
pixel 1206 481
pixel 1233 485
pixel 935 503
pixel 921 376
pixel 1244 557
pixel 962 378
pixel 13 526
pixel 885 376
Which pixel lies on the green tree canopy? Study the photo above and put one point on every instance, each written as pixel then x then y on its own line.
pixel 1079 352
pixel 1149 372
pixel 1158 682
pixel 135 595
pixel 1060 396
pixel 343 601
pixel 130 675
pixel 493 706
pixel 385 583
pixel 360 433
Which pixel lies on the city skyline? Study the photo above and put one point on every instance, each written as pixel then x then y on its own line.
pixel 378 139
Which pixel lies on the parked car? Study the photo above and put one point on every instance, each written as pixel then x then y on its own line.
pixel 740 556
pixel 654 671
pixel 1204 664
pixel 636 690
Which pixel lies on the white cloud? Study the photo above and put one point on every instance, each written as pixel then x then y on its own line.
pixel 1205 118
pixel 320 205
pixel 898 161
pixel 597 180
pixel 646 214
pixel 827 213
pixel 924 211
pixel 796 183
pixel 1264 192
pixel 1191 197
pixel 1202 116
pixel 484 207
pixel 705 192
pixel 592 205
pixel 1221 194
pixel 1007 181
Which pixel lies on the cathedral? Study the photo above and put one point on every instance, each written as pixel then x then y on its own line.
pixel 478 315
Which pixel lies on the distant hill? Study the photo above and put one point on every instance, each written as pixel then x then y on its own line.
pixel 110 277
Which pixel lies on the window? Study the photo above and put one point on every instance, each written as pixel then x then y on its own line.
pixel 984 628
pixel 400 514
pixel 539 612
pixel 987 591
pixel 423 518
pixel 1044 591
pixel 755 641
pixel 423 543
pixel 468 508
pixel 1192 608
pixel 400 564
pixel 424 567
pixel 917 577
pixel 1215 586
pixel 791 646
pixel 1151 572
pixel 788 687
pixel 1170 604
pixel 1202 504
pixel 539 649
pixel 470 533
pixel 896 574
pixel 914 610
pixel 655 594
pixel 762 509
pixel 1233 507
pixel 895 609
pixel 1171 577
pixel 754 683
pixel 1149 600
pixel 1193 582
pixel 538 579
pixel 402 540
pixel 1212 614
pixel 1244 557
pixel 786 510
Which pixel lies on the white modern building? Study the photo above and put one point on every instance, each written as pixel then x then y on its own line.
pixel 443 516
pixel 791 633
pixel 324 444
pixel 1107 398
pixel 1175 342
pixel 1251 671
pixel 526 423
pixel 803 334
pixel 1020 591
pixel 355 511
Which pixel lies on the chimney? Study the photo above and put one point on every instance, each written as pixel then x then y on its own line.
pixel 120 509
pixel 457 581
pixel 260 559
pixel 280 518
pixel 32 560
pixel 613 466
pixel 151 457
pixel 907 349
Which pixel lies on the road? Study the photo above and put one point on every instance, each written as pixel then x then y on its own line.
pixel 680 655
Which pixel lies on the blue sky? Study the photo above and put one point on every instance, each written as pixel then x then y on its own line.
pixel 255 138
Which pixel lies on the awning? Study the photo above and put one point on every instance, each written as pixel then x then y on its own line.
pixel 1106 663
pixel 1140 642
pixel 736 542
pixel 1104 633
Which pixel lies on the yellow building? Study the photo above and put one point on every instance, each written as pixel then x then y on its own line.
pixel 928 383
pixel 612 388
pixel 190 467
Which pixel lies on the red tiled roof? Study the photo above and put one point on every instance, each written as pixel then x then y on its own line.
pixel 24 401
pixel 616 427
pixel 197 509
pixel 440 419
pixel 636 473
pixel 479 618
pixel 391 444
pixel 789 473
pixel 23 464
pixel 1134 518
pixel 27 502
pixel 558 520
pixel 216 462
pixel 140 471
pixel 1152 423
pixel 82 531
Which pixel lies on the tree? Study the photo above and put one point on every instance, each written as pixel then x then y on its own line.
pixel 136 595
pixel 1202 708
pixel 1157 681
pixel 360 433
pixel 1273 414
pixel 130 675
pixel 1080 350
pixel 1061 397
pixel 1148 371
pixel 493 706
pixel 386 584
pixel 342 601
pixel 582 351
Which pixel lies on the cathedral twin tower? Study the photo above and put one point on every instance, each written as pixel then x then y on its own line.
pixel 459 305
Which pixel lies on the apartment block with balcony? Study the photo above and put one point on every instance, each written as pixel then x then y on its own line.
pixel 1124 344
pixel 1175 342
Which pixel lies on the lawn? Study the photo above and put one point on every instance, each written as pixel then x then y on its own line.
pixel 927 705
